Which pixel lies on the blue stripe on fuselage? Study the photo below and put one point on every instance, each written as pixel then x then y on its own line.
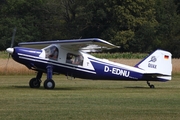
pixel 106 70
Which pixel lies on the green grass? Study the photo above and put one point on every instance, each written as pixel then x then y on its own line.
pixel 89 100
pixel 4 54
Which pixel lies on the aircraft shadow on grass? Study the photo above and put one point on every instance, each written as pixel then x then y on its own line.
pixel 61 88
pixel 82 88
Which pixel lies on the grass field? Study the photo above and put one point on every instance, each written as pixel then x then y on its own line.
pixel 89 100
pixel 83 99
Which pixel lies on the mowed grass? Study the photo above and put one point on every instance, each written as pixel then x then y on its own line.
pixel 86 99
pixel 79 99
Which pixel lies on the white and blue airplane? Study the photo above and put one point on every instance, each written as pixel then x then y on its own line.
pixel 70 57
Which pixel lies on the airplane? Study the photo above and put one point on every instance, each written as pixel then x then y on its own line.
pixel 71 58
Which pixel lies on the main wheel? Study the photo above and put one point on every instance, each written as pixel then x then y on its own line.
pixel 49 84
pixel 152 86
pixel 34 83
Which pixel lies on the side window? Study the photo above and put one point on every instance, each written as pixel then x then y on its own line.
pixel 52 52
pixel 74 59
pixel 70 58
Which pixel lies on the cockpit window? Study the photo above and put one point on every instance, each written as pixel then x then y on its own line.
pixel 74 59
pixel 52 52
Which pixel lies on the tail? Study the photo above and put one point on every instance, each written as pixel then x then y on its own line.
pixel 157 65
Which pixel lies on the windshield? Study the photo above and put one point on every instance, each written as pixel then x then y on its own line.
pixel 52 52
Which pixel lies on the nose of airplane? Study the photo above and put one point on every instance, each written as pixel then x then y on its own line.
pixel 10 50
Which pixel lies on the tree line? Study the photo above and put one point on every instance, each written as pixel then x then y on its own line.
pixel 135 25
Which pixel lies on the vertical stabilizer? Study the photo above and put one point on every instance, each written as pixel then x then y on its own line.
pixel 159 62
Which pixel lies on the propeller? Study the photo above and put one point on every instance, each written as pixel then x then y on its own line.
pixel 10 50
pixel 12 42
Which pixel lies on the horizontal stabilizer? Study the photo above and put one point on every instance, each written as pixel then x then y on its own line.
pixel 154 74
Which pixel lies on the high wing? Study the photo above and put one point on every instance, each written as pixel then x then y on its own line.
pixel 73 44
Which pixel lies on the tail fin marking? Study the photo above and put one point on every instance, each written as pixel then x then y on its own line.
pixel 159 62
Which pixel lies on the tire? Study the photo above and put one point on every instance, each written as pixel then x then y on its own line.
pixel 34 83
pixel 49 84
pixel 152 86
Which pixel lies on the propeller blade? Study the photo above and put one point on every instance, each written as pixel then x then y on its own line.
pixel 10 50
pixel 12 41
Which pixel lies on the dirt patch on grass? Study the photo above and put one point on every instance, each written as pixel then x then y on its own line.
pixel 12 67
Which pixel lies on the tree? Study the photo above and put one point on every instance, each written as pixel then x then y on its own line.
pixel 129 17
pixel 136 26
pixel 168 31
pixel 84 18
pixel 20 14
pixel 177 2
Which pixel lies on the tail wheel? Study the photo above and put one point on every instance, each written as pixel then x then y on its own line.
pixel 34 83
pixel 49 84
pixel 150 85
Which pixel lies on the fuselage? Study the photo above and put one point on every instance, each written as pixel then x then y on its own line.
pixel 90 68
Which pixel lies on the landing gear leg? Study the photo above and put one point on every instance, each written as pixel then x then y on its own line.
pixel 49 83
pixel 149 84
pixel 36 82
